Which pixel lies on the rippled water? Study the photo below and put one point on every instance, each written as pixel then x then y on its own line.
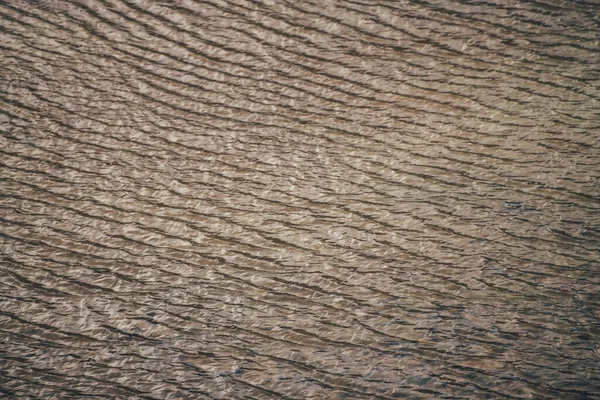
pixel 324 200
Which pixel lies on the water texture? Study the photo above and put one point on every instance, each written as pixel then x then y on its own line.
pixel 337 199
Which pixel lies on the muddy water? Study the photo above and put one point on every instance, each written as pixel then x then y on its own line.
pixel 299 200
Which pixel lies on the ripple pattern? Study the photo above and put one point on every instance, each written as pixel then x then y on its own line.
pixel 277 199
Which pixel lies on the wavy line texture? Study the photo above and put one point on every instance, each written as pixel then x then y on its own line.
pixel 275 199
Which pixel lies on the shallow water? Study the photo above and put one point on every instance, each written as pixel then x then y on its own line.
pixel 290 200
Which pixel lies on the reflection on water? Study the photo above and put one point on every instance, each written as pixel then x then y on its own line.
pixel 278 200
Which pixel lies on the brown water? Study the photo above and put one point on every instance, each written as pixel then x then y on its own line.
pixel 299 200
